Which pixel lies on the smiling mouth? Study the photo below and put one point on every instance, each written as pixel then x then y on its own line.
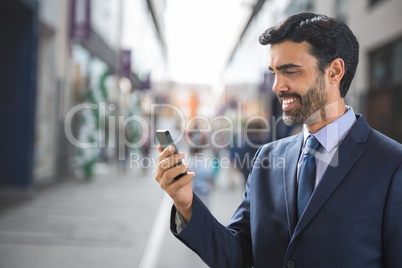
pixel 288 103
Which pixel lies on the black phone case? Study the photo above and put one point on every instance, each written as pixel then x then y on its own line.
pixel 165 139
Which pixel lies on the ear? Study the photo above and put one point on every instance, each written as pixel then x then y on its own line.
pixel 336 70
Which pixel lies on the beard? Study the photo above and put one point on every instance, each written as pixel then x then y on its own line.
pixel 310 107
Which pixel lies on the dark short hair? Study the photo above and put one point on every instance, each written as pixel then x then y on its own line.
pixel 329 39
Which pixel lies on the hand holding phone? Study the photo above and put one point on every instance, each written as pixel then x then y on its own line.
pixel 165 140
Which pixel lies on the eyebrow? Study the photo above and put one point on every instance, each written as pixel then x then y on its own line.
pixel 285 66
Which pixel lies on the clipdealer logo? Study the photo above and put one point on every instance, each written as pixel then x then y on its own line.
pixel 220 137
pixel 227 127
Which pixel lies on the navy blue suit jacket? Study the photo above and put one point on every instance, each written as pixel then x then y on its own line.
pixel 353 219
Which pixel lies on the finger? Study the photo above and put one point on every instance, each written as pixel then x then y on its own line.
pixel 183 180
pixel 162 157
pixel 170 174
pixel 171 161
pixel 160 148
pixel 168 163
pixel 168 151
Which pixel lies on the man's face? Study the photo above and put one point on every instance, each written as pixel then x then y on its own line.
pixel 299 85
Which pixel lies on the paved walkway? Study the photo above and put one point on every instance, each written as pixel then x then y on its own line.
pixel 115 220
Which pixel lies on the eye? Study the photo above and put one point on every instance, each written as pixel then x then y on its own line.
pixel 290 72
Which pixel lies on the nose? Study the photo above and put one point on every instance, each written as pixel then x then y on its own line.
pixel 279 85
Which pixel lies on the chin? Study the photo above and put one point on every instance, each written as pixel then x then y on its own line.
pixel 313 118
pixel 291 120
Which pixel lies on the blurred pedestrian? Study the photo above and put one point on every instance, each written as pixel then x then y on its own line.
pixel 255 135
pixel 145 149
pixel 123 151
pixel 203 166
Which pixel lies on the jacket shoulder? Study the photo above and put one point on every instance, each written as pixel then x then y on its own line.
pixel 385 143
pixel 368 137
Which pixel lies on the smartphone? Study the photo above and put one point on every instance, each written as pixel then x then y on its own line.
pixel 165 139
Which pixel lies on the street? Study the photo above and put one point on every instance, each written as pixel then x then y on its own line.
pixel 112 220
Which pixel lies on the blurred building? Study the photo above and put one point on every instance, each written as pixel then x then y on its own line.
pixel 19 29
pixel 377 88
pixel 57 55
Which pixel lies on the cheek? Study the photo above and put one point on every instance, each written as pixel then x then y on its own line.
pixel 302 82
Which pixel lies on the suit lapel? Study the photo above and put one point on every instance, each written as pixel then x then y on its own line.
pixel 348 153
pixel 289 178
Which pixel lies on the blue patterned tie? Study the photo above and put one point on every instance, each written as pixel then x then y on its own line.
pixel 307 175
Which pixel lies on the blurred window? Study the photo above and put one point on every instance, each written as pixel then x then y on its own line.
pixel 384 111
pixel 397 62
pixel 297 6
pixel 341 10
pixel 385 65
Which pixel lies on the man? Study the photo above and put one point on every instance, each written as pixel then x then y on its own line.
pixel 353 218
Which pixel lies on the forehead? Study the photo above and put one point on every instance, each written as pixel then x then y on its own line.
pixel 288 52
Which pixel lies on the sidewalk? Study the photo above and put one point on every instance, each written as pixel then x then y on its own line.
pixel 113 220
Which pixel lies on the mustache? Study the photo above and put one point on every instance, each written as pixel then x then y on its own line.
pixel 284 95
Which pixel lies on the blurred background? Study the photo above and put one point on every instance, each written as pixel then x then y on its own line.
pixel 85 83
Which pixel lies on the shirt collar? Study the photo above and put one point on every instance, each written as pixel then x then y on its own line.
pixel 333 133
